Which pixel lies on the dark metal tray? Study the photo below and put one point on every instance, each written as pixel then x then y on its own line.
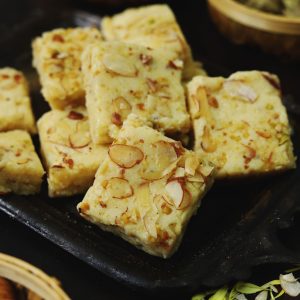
pixel 238 226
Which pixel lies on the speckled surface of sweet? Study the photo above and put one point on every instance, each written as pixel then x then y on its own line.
pixel 56 56
pixel 147 189
pixel 15 106
pixel 121 78
pixel 240 123
pixel 70 157
pixel 21 171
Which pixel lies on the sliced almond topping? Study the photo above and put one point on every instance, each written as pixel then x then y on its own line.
pixel 122 108
pixel 125 156
pixel 272 79
pixel 206 170
pixel 119 65
pixel 264 134
pixel 207 144
pixel 180 172
pixel 191 164
pixel 176 64
pixel 116 119
pixel 175 192
pixel 23 161
pixel 74 115
pixel 143 198
pixel 186 201
pixel 146 59
pixel 158 160
pixel 150 223
pixel 213 102
pixel 251 153
pixel 240 91
pixel 79 140
pixel 119 188
pixel 153 85
pixel 201 106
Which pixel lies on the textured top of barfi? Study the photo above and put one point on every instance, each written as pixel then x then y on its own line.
pixel 121 78
pixel 56 55
pixel 15 107
pixel 17 151
pixel 153 26
pixel 148 187
pixel 66 140
pixel 240 123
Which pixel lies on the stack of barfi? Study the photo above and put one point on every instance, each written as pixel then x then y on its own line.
pixel 21 171
pixel 115 102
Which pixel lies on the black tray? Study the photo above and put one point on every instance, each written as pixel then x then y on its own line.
pixel 235 229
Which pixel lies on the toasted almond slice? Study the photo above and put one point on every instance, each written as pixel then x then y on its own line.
pixel 158 160
pixel 240 90
pixel 191 164
pixel 119 188
pixel 186 200
pixel 180 172
pixel 125 156
pixel 119 65
pixel 150 219
pixel 176 64
pixel 201 106
pixel 205 170
pixel 143 198
pixel 121 107
pixel 175 192
pixel 74 115
pixel 207 144
pixel 79 140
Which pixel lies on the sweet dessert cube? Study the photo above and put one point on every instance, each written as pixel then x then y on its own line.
pixel 21 171
pixel 70 158
pixel 15 106
pixel 147 189
pixel 56 56
pixel 152 26
pixel 122 78
pixel 240 123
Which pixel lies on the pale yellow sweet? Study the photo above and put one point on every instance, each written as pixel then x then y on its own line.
pixel 56 56
pixel 240 123
pixel 147 189
pixel 21 171
pixel 70 158
pixel 152 26
pixel 120 78
pixel 15 106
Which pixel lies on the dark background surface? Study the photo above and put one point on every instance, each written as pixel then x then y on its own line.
pixel 219 56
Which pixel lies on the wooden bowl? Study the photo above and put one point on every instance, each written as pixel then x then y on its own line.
pixel 244 25
pixel 33 279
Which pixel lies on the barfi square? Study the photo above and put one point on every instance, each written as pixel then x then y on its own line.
pixel 56 56
pixel 70 157
pixel 153 26
pixel 15 106
pixel 21 171
pixel 240 123
pixel 147 189
pixel 122 78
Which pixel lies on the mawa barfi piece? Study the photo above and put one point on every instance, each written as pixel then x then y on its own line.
pixel 70 157
pixel 121 78
pixel 240 123
pixel 56 56
pixel 147 189
pixel 21 171
pixel 15 106
pixel 152 26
